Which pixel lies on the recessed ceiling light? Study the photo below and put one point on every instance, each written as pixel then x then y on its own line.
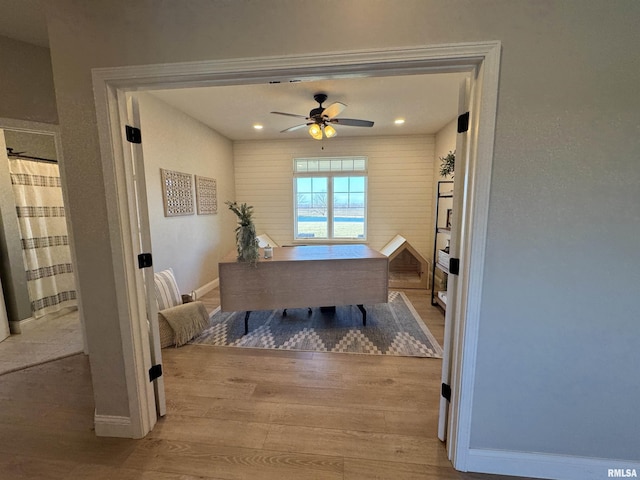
pixel 257 126
pixel 399 121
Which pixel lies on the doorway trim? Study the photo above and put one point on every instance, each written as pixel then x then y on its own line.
pixel 483 59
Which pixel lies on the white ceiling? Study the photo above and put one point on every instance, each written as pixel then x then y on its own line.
pixel 426 102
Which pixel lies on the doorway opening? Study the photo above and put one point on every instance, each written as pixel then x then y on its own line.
pixel 38 276
pixel 481 59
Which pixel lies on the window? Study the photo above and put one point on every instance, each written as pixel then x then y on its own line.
pixel 330 198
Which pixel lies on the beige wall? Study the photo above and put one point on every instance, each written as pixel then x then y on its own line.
pixel 26 82
pixel 190 244
pixel 400 179
pixel 558 342
pixel 445 143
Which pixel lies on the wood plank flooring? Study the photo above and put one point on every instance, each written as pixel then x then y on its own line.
pixel 239 414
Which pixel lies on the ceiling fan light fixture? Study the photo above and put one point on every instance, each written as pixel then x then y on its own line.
pixel 315 131
pixel 329 131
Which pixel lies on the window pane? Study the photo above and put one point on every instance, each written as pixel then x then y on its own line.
pixel 312 223
pixel 303 200
pixel 348 207
pixel 319 184
pixel 344 212
pixel 300 166
pixel 356 184
pixel 311 208
pixel 348 227
pixel 340 200
pixel 303 185
pixel 360 164
pixel 356 200
pixel 319 202
pixel 341 184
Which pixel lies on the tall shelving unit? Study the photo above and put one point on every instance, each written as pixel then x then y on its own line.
pixel 442 232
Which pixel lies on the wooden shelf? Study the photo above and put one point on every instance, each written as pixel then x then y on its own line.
pixel 439 266
pixel 439 220
pixel 440 302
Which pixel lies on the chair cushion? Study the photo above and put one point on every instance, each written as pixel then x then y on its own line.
pixel 166 288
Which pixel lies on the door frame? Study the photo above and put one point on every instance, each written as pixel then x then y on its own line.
pixel 482 58
pixel 53 130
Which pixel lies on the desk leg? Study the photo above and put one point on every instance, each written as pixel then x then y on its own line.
pixel 364 314
pixel 246 321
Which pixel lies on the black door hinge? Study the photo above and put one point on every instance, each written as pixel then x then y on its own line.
pixel 454 266
pixel 133 134
pixel 463 122
pixel 155 372
pixel 446 391
pixel 144 260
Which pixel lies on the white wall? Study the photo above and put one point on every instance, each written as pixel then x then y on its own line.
pixel 400 184
pixel 191 244
pixel 556 364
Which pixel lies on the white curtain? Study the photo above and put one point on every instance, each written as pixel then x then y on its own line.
pixel 43 231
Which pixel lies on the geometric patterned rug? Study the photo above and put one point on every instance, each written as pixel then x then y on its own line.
pixel 393 328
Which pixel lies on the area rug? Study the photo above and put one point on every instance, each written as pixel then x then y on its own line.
pixel 393 328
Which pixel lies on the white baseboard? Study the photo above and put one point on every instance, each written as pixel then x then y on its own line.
pixel 206 288
pixel 21 326
pixel 26 324
pixel 541 465
pixel 112 426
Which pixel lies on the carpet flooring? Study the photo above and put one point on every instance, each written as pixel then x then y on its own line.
pixel 393 328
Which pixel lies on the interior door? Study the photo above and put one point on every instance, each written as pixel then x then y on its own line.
pixel 459 194
pixel 144 239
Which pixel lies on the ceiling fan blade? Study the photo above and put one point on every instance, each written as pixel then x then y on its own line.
pixel 333 110
pixel 290 114
pixel 352 122
pixel 294 128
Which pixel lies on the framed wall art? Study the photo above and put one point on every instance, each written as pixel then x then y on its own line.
pixel 206 195
pixel 177 193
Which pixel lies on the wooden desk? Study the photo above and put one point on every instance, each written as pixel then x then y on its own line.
pixel 305 276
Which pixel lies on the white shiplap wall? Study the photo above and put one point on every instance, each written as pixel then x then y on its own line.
pixel 400 194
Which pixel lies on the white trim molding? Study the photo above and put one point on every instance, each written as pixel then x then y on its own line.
pixel 481 58
pixel 21 326
pixel 206 288
pixel 113 426
pixel 544 465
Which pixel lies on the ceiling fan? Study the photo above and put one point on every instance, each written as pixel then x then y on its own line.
pixel 320 119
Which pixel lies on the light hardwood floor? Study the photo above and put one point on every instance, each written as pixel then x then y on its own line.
pixel 239 414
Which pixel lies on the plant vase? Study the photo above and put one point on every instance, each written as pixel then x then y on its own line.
pixel 246 241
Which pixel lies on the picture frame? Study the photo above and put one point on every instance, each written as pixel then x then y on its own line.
pixel 449 217
pixel 177 193
pixel 206 195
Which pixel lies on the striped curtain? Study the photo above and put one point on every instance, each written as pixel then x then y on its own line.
pixel 43 231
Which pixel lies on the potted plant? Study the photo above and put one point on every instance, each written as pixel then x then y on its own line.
pixel 246 241
pixel 447 164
